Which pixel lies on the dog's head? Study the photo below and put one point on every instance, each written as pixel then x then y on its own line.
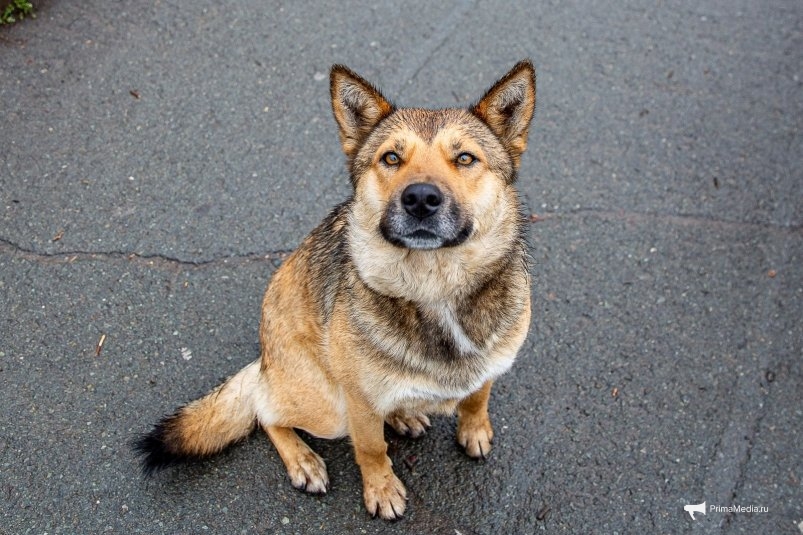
pixel 429 179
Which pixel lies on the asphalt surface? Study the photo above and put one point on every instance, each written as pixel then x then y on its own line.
pixel 159 158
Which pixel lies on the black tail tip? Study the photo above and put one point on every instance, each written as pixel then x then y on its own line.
pixel 155 451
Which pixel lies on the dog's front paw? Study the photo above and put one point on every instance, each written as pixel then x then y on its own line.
pixel 475 435
pixel 409 423
pixel 307 472
pixel 385 496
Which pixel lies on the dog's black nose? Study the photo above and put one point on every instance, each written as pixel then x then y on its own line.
pixel 421 199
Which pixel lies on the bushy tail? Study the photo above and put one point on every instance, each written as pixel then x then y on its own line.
pixel 204 426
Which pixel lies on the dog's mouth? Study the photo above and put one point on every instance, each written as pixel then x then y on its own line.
pixel 424 239
pixel 423 235
pixel 421 239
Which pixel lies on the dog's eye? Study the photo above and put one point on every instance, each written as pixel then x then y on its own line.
pixel 391 158
pixel 465 159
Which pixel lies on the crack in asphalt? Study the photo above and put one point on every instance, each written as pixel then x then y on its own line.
pixel 8 246
pixel 678 219
pixel 68 257
pixel 429 46
pixel 726 476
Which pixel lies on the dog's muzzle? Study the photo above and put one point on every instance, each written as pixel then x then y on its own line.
pixel 423 217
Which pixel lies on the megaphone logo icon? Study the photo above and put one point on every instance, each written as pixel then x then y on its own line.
pixel 699 508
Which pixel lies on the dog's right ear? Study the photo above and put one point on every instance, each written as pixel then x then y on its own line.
pixel 358 107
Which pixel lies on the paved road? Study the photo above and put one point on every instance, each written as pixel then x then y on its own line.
pixel 160 157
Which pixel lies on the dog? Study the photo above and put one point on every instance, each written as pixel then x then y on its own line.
pixel 408 300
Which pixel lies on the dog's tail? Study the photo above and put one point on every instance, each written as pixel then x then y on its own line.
pixel 205 426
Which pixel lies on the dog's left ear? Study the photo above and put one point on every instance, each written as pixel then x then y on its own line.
pixel 358 107
pixel 507 108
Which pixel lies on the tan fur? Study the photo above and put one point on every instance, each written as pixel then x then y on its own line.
pixel 357 329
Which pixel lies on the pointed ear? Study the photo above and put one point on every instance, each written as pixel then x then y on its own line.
pixel 358 107
pixel 507 108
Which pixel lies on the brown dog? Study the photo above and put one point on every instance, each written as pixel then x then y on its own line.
pixel 409 299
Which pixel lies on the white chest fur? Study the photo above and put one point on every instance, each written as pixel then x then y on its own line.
pixel 394 392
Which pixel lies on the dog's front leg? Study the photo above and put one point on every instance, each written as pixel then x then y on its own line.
pixel 474 431
pixel 383 492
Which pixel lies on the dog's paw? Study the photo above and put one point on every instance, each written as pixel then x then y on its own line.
pixel 385 497
pixel 476 436
pixel 409 423
pixel 308 472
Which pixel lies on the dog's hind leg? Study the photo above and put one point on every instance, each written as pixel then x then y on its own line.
pixel 306 469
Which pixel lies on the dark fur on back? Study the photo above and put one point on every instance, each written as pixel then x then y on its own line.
pixel 326 252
